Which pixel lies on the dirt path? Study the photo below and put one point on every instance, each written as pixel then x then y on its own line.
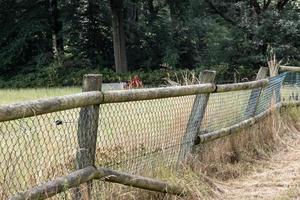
pixel 277 178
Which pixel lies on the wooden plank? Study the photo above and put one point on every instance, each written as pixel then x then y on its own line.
pixel 90 173
pixel 87 130
pixel 196 116
pixel 43 106
pixel 255 94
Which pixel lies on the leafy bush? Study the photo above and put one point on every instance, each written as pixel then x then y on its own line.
pixel 69 73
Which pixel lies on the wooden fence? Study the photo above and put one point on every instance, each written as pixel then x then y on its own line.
pixel 89 101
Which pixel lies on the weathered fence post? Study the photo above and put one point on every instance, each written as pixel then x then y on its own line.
pixel 276 95
pixel 196 116
pixel 87 132
pixel 255 94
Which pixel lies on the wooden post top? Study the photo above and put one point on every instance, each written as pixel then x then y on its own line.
pixel 207 76
pixel 262 73
pixel 92 82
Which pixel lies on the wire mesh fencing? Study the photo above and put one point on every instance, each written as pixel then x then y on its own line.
pixel 270 95
pixel 36 149
pixel 291 87
pixel 134 137
pixel 137 134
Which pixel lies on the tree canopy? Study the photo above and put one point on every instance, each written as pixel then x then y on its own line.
pixel 48 40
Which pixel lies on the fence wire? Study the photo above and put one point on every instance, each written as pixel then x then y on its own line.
pixel 135 137
pixel 271 94
pixel 36 149
pixel 291 87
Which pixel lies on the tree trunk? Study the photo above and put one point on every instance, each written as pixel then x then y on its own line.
pixel 56 25
pixel 118 36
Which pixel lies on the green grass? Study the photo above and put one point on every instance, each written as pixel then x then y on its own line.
pixel 18 95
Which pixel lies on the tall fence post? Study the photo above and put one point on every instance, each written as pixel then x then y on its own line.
pixel 87 133
pixel 196 116
pixel 255 94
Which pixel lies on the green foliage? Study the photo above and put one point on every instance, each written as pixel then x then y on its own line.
pixel 70 73
pixel 226 36
pixel 24 34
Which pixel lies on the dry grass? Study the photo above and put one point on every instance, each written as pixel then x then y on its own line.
pixel 278 176
pixel 257 163
pixel 194 184
pixel 232 156
pixel 18 95
pixel 262 165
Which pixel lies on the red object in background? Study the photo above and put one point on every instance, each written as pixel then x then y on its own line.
pixel 135 82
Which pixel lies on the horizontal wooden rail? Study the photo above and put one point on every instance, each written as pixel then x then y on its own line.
pixel 43 106
pixel 202 138
pixel 290 68
pixel 175 91
pixel 76 178
pixel 241 86
pixel 54 104
pixel 156 93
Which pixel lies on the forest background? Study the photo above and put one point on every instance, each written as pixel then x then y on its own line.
pixel 45 43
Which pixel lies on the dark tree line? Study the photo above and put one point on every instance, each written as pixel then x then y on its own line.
pixel 47 39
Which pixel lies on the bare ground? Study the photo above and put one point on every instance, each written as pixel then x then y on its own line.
pixel 276 178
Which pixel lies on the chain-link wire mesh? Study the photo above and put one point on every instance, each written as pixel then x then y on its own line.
pixel 224 109
pixel 134 137
pixel 230 108
pixel 270 95
pixel 291 87
pixel 36 149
